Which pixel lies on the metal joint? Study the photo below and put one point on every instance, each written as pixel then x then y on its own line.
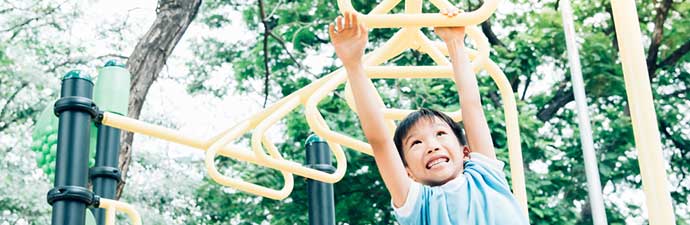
pixel 105 171
pixel 73 193
pixel 76 103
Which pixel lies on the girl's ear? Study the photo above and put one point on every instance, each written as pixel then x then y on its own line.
pixel 409 173
pixel 466 152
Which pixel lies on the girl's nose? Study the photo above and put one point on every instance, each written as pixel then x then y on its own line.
pixel 432 150
pixel 434 145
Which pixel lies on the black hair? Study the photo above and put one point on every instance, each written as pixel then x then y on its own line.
pixel 424 113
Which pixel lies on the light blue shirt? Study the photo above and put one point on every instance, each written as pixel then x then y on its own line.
pixel 478 196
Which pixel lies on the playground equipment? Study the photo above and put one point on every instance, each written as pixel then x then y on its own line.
pixel 70 197
pixel 77 111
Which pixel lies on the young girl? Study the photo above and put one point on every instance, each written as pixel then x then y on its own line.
pixel 423 165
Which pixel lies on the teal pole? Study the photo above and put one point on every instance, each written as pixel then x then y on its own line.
pixel 320 195
pixel 75 109
pixel 112 95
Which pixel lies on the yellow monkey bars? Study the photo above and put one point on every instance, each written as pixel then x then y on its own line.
pixel 414 18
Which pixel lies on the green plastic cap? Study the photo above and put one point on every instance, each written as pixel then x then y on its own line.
pixel 77 74
pixel 112 89
pixel 314 138
pixel 114 62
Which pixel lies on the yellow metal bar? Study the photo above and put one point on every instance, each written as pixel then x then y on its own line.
pixel 645 127
pixel 426 46
pixel 136 126
pixel 112 206
pixel 413 6
pixel 424 19
pixel 517 170
pixel 284 165
pixel 284 106
pixel 238 183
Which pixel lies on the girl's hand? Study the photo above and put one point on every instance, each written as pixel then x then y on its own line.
pixel 349 37
pixel 448 34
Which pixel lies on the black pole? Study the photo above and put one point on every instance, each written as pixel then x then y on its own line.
pixel 105 174
pixel 69 196
pixel 320 195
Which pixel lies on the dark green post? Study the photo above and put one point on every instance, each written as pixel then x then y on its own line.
pixel 112 95
pixel 105 174
pixel 320 195
pixel 69 196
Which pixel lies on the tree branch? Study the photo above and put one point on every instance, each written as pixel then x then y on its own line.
pixel 676 55
pixel 563 96
pixel 11 98
pixel 488 31
pixel 524 92
pixel 267 30
pixel 28 113
pixel 84 60
pixel 614 39
pixel 282 43
pixel 494 98
pixel 653 53
pixel 28 21
pixel 486 26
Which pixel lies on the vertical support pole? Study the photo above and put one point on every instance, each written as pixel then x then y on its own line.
pixel 69 197
pixel 645 127
pixel 320 195
pixel 111 95
pixel 596 200
pixel 105 174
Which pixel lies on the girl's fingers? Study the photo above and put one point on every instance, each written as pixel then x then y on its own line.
pixel 355 20
pixel 349 20
pixel 331 30
pixel 339 23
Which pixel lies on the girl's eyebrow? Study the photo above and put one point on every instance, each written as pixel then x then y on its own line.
pixel 407 139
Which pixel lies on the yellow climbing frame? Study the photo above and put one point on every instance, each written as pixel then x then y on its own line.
pixel 411 37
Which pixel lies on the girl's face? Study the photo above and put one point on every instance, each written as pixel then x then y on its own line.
pixel 433 153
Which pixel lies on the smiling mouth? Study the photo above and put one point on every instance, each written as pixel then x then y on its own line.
pixel 436 162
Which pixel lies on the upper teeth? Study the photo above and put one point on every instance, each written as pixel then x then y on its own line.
pixel 436 162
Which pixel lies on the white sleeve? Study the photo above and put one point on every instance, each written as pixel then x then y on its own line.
pixel 492 163
pixel 410 201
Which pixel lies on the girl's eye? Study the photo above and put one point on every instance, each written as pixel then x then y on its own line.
pixel 415 142
pixel 440 133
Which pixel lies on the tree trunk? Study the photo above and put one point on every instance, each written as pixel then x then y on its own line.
pixel 148 59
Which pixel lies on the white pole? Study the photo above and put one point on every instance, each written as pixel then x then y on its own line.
pixel 595 197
